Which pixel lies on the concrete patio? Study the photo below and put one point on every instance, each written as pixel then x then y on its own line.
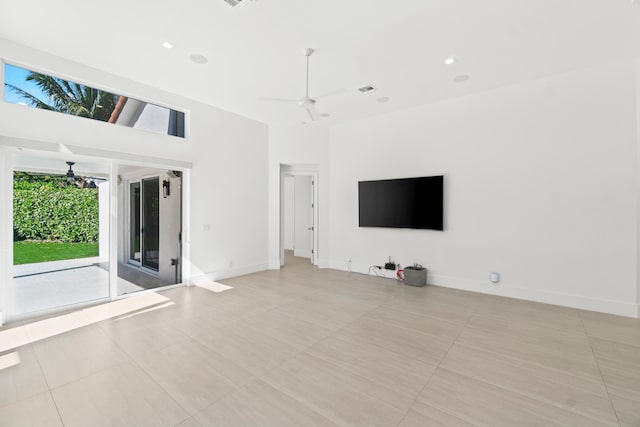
pixel 41 286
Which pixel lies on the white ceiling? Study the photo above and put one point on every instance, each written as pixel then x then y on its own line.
pixel 398 46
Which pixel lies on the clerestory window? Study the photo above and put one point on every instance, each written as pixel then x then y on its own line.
pixel 38 90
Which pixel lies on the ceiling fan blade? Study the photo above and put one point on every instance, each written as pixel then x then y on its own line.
pixel 279 99
pixel 311 109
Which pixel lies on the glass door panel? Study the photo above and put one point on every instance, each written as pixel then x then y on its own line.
pixel 150 223
pixel 134 222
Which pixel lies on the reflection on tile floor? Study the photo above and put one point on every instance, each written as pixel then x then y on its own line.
pixel 308 347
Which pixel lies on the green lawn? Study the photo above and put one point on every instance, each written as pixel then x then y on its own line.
pixel 27 252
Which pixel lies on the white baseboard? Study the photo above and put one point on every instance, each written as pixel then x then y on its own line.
pixel 227 273
pixel 619 308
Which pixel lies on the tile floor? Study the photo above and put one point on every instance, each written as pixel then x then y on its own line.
pixel 309 347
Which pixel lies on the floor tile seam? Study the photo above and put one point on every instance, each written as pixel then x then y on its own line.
pixel 437 337
pixel 401 355
pixel 298 318
pixel 133 360
pixel 175 401
pixel 277 342
pixel 97 371
pixel 583 376
pixel 428 316
pixel 551 369
pixel 613 407
pixel 566 334
pixel 435 371
pixel 549 342
pixel 260 378
pixel 613 341
pixel 451 413
pixel 360 392
pixel 309 404
pixel 29 395
pixel 263 372
pixel 624 364
pixel 408 393
pixel 339 329
pixel 624 393
pixel 529 410
pixel 536 324
pixel 217 371
pixel 351 322
pixel 528 395
pixel 46 381
pixel 133 357
pixel 264 376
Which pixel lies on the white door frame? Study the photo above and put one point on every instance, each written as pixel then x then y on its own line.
pixel 6 234
pixel 127 221
pixel 300 170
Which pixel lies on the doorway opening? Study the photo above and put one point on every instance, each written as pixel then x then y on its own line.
pixel 149 228
pixel 298 215
pixel 60 231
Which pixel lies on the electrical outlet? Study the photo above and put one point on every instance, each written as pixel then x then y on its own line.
pixel 494 277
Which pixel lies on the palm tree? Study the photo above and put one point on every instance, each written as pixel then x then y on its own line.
pixel 68 97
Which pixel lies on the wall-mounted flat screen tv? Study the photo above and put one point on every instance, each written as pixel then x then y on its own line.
pixel 402 203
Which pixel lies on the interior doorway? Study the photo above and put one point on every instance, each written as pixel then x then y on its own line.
pixel 298 214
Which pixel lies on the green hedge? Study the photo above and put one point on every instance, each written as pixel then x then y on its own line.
pixel 44 212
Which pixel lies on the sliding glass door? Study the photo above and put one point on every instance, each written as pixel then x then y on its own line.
pixel 134 223
pixel 150 223
pixel 144 223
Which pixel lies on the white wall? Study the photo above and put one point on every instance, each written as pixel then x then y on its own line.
pixel 236 240
pixel 540 185
pixel 302 146
pixel 289 213
pixel 638 181
pixel 302 214
pixel 6 232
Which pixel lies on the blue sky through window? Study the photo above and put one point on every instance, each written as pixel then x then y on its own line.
pixel 18 77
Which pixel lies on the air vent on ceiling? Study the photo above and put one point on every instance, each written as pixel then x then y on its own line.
pixel 366 89
pixel 235 3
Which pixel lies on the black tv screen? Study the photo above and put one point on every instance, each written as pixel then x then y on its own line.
pixel 402 203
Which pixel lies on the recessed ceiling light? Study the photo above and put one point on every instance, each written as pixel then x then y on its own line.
pixel 384 99
pixel 199 59
pixel 367 89
pixel 450 60
pixel 461 78
pixel 167 45
pixel 324 115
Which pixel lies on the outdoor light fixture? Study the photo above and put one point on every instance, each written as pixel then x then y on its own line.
pixel 166 190
pixel 70 175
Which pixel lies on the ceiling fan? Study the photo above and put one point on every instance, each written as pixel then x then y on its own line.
pixel 306 102
pixel 71 176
